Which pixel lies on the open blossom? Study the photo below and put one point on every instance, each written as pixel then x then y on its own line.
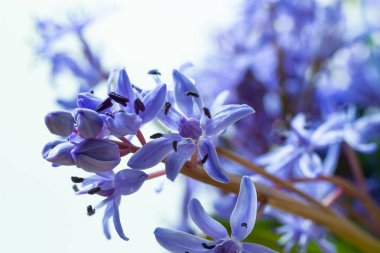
pixel 242 221
pixel 195 125
pixel 111 186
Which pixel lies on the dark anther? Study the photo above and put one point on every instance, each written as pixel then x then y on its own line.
pixel 94 190
pixel 92 91
pixel 118 98
pixel 139 106
pixel 191 93
pixel 75 188
pixel 167 107
pixel 77 180
pixel 207 112
pixel 154 72
pixel 244 225
pixel 207 246
pixel 107 103
pixel 175 144
pixel 90 210
pixel 156 136
pixel 204 159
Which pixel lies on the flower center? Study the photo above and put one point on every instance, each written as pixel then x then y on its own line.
pixel 228 247
pixel 190 128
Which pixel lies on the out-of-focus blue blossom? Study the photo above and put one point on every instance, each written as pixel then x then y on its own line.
pixel 195 125
pixel 59 153
pixel 85 67
pixel 242 221
pixel 96 155
pixel 60 123
pixel 111 186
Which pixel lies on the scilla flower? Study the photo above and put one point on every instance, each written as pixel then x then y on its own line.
pixel 112 186
pixel 242 222
pixel 195 126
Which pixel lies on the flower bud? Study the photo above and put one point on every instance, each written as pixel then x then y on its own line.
pixel 60 123
pixel 89 122
pixel 96 155
pixel 59 152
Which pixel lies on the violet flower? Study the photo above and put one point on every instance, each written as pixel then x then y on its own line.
pixel 195 126
pixel 111 186
pixel 242 221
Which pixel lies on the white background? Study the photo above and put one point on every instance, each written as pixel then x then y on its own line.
pixel 38 210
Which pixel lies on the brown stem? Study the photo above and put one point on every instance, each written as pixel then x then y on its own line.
pixel 355 166
pixel 336 224
pixel 141 137
pixel 284 184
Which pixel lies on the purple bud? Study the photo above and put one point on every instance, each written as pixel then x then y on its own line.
pixel 96 155
pixel 129 181
pixel 60 123
pixel 59 152
pixel 89 122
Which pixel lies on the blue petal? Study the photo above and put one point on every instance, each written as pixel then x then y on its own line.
pixel 253 248
pixel 123 123
pixel 96 155
pixel 170 119
pixel 176 241
pixel 88 100
pixel 59 152
pixel 243 216
pixel 191 106
pixel 107 215
pixel 355 140
pixel 208 225
pixel 212 164
pixel 153 152
pixel 129 181
pixel 122 86
pixel 60 123
pixel 153 101
pixel 116 219
pixel 226 116
pixel 310 164
pixel 176 160
pixel 89 123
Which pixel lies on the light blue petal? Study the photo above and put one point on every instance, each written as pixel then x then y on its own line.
pixel 154 101
pixel 170 119
pixel 212 164
pixel 191 106
pixel 176 241
pixel 243 216
pixel 226 116
pixel 129 181
pixel 310 164
pixel 89 123
pixel 253 248
pixel 116 219
pixel 107 215
pixel 355 140
pixel 119 83
pixel 176 160
pixel 123 123
pixel 208 225
pixel 153 152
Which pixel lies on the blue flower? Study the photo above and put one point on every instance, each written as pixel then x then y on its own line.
pixel 242 221
pixel 196 126
pixel 111 186
pixel 59 153
pixel 96 155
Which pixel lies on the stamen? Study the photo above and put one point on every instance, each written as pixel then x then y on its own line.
pixel 118 98
pixel 192 93
pixel 207 246
pixel 156 136
pixel 167 107
pixel 175 145
pixel 94 190
pixel 154 72
pixel 107 103
pixel 90 210
pixel 207 112
pixel 75 188
pixel 139 106
pixel 77 180
pixel 92 91
pixel 204 159
pixel 244 225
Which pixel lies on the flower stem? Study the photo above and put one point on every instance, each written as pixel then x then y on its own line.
pixel 356 169
pixel 141 137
